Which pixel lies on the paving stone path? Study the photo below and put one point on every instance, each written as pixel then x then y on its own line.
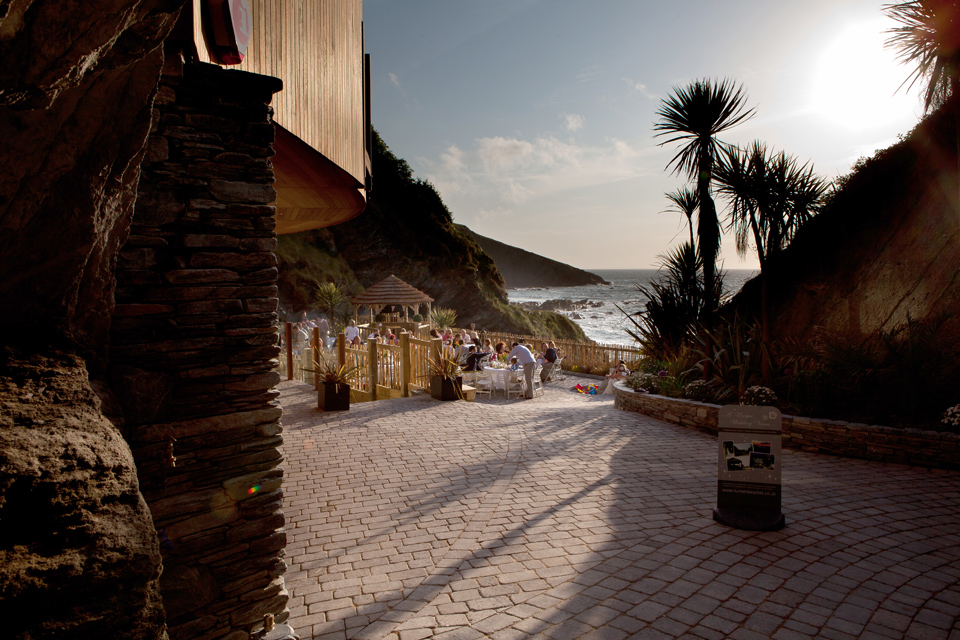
pixel 562 517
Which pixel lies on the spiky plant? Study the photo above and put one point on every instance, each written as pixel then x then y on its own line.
pixel 693 116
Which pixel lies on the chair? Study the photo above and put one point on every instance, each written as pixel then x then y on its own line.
pixel 483 383
pixel 469 377
pixel 557 373
pixel 537 382
pixel 515 384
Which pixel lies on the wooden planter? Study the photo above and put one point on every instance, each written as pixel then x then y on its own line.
pixel 333 397
pixel 446 388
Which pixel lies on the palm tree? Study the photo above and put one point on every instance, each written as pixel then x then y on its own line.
pixel 770 197
pixel 331 299
pixel 685 201
pixel 695 115
pixel 929 38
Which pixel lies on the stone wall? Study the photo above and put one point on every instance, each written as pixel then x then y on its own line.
pixel 194 342
pixel 932 449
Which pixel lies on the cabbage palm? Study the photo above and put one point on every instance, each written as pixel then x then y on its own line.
pixel 694 115
pixel 685 201
pixel 770 196
pixel 330 298
pixel 929 38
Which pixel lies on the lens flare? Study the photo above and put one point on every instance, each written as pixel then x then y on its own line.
pixel 252 490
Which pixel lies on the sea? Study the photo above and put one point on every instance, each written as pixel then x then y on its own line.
pixel 604 322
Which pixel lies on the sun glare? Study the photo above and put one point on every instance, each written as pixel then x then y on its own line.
pixel 857 80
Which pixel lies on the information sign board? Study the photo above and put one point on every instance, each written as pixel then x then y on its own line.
pixel 748 468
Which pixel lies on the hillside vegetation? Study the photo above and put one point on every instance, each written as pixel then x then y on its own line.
pixel 407 231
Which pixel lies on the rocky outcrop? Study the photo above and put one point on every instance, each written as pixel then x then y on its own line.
pixel 78 552
pixel 76 560
pixel 885 250
pixel 521 268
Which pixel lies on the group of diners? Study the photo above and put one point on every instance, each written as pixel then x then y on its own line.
pixel 472 353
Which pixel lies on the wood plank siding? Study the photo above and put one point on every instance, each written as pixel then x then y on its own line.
pixel 316 48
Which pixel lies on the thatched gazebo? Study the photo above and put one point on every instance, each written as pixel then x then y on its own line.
pixel 392 291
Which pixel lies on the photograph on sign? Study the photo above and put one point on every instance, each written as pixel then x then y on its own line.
pixel 746 456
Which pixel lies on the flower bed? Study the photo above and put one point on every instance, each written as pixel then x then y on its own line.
pixel 932 449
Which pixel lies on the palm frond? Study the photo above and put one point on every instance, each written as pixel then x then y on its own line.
pixel 695 115
pixel 928 37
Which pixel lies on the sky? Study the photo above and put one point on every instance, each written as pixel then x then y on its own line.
pixel 534 118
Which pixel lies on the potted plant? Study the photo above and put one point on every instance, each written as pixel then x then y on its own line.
pixel 446 383
pixel 333 392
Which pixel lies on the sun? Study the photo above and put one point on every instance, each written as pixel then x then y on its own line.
pixel 858 81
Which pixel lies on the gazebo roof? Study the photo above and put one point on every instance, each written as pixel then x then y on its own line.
pixel 390 290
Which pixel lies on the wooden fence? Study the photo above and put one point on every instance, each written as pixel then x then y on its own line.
pixel 395 371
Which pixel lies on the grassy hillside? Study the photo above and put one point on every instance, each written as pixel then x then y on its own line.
pixel 407 231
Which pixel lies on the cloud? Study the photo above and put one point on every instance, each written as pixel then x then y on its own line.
pixel 496 213
pixel 498 173
pixel 574 121
pixel 501 153
pixel 395 81
pixel 639 87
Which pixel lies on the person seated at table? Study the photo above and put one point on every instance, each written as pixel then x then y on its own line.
pixel 434 333
pixel 488 346
pixel 473 359
pixel 351 331
pixel 475 338
pixel 460 351
pixel 448 336
pixel 549 362
pixel 620 372
pixel 501 348
pixel 356 341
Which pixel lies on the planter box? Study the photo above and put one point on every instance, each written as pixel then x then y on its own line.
pixel 333 397
pixel 446 388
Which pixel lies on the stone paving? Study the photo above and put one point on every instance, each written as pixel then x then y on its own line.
pixel 561 517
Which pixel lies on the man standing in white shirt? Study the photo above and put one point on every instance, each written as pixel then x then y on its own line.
pixel 529 363
pixel 351 332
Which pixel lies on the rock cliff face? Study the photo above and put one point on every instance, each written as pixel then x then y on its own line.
pixel 885 250
pixel 521 268
pixel 407 231
pixel 78 551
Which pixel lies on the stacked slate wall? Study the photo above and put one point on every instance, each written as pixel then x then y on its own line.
pixel 194 342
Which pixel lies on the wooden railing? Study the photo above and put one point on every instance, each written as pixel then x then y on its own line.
pixel 394 371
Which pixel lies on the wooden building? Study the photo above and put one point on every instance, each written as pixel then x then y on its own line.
pixel 323 143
